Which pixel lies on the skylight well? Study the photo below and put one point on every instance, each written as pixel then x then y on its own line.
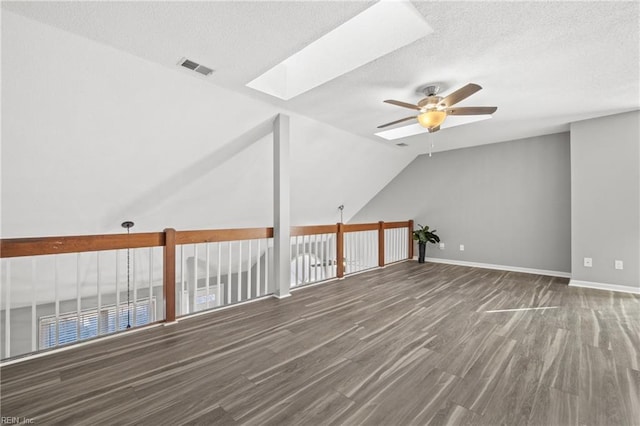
pixel 384 27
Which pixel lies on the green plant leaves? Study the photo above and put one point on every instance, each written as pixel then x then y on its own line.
pixel 423 235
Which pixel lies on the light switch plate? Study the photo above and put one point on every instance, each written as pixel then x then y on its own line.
pixel 618 264
pixel 588 262
pixel 461 247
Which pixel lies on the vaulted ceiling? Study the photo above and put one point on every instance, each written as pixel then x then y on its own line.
pixel 544 64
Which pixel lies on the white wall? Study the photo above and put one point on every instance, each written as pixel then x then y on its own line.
pixel 93 136
pixel 605 202
pixel 507 203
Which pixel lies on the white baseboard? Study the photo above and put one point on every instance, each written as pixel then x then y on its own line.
pixel 500 267
pixel 604 286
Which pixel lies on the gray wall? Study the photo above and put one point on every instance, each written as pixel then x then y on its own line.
pixel 508 203
pixel 605 180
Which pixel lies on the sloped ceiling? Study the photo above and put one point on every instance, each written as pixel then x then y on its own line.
pixel 544 64
pixel 93 136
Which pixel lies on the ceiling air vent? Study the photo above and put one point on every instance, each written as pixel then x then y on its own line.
pixel 195 67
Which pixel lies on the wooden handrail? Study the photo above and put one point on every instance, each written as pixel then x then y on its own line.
pixel 19 247
pixel 358 227
pixel 217 235
pixel 313 230
pixel 392 225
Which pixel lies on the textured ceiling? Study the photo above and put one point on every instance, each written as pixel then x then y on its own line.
pixel 544 64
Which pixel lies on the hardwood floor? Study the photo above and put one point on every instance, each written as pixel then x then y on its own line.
pixel 408 344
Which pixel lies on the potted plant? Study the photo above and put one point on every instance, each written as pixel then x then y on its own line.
pixel 423 236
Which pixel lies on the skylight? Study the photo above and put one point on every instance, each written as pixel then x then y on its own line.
pixel 416 129
pixel 384 27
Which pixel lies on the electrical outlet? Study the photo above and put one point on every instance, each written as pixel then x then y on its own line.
pixel 441 246
pixel 618 264
pixel 588 262
pixel 461 247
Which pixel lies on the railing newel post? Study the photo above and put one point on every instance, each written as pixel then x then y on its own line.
pixel 410 256
pixel 381 243
pixel 169 274
pixel 340 251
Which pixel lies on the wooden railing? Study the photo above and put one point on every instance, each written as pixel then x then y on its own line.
pixel 171 242
pixel 19 247
pixel 314 253
pixel 340 230
pixel 209 238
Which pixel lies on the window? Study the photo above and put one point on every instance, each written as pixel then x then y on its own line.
pixel 73 327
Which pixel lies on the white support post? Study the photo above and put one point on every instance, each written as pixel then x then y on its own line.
pixel 281 207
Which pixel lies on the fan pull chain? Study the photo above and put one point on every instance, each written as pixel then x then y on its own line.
pixel 128 225
pixel 430 143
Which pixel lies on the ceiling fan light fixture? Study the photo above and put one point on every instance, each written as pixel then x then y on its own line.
pixel 434 110
pixel 432 118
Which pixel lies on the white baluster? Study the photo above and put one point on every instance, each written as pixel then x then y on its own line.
pixel 308 254
pixel 117 293
pixel 239 283
pixel 258 255
pixel 7 311
pixel 317 258
pixel 229 276
pixel 195 277
pixel 266 267
pixel 297 239
pixel 182 268
pixel 219 267
pixel 151 310
pixel 206 275
pixel 34 295
pixel 99 291
pixel 134 281
pixel 249 271
pixel 56 298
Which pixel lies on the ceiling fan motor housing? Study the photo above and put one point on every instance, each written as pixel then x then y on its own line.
pixel 431 90
pixel 430 102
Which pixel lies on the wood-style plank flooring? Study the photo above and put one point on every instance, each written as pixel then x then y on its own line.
pixel 408 344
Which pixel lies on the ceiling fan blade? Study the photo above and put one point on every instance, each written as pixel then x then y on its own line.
pixel 460 94
pixel 402 104
pixel 471 110
pixel 433 129
pixel 398 121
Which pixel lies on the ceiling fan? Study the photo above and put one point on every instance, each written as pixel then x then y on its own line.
pixel 434 109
